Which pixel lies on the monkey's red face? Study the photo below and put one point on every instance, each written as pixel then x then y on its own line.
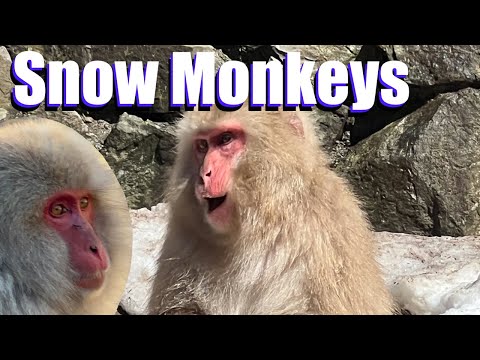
pixel 71 215
pixel 217 152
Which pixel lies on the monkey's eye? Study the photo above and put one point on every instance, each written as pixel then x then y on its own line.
pixel 226 138
pixel 202 146
pixel 83 203
pixel 58 210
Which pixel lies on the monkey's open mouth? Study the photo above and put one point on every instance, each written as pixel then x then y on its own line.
pixel 214 203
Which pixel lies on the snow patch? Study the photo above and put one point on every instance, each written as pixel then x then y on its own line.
pixel 426 275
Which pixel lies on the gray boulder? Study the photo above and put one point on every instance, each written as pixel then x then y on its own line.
pixel 6 84
pixel 421 174
pixel 438 64
pixel 432 70
pixel 141 154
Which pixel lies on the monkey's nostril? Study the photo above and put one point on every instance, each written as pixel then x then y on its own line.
pixel 209 173
pixel 93 249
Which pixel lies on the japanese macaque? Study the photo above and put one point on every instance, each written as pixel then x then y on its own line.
pixel 65 229
pixel 259 224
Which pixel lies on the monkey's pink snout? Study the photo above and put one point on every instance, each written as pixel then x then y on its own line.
pixel 205 180
pixel 91 254
pixel 91 261
pixel 88 255
pixel 99 256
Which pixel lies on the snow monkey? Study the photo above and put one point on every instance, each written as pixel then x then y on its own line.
pixel 65 231
pixel 259 224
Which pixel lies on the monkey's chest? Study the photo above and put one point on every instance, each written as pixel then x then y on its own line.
pixel 249 295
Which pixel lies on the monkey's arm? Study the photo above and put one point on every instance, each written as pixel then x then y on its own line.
pixel 171 290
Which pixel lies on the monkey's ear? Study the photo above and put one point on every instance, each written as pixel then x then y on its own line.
pixel 296 123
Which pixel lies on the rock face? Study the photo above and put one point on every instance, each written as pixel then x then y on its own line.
pixel 438 64
pixel 6 83
pixel 403 173
pixel 248 53
pixel 321 53
pixel 426 275
pixel 421 175
pixel 141 154
pixel 432 70
pixel 82 54
pixel 330 125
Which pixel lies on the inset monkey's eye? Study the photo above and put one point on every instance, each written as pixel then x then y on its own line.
pixel 202 146
pixel 226 138
pixel 83 203
pixel 58 210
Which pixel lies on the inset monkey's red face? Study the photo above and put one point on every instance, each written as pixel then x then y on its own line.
pixel 71 215
pixel 217 152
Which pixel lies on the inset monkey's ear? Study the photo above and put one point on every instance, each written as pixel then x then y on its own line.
pixel 296 123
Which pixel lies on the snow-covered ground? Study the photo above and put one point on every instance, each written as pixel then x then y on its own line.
pixel 432 275
pixel 148 230
pixel 427 275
